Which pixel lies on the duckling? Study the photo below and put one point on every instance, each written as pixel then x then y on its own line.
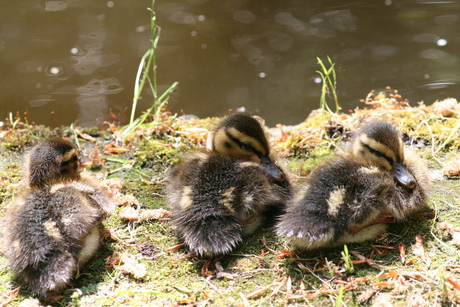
pixel 352 198
pixel 52 227
pixel 219 196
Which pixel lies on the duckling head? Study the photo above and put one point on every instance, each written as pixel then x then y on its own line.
pixel 240 136
pixel 380 144
pixel 51 160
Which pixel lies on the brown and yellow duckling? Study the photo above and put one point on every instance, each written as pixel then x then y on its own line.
pixel 352 198
pixel 219 196
pixel 52 227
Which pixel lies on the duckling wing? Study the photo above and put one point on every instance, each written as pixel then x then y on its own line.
pixel 340 194
pixel 202 200
pixel 96 193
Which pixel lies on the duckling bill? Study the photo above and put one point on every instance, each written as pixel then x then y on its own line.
pixel 219 196
pixel 351 198
pixel 52 227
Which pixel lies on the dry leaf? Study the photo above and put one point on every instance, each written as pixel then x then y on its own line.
pixel 453 230
pixel 129 214
pixel 30 302
pixel 188 301
pixel 416 300
pixel 112 148
pixel 95 157
pixel 126 263
pixel 400 286
pixel 13 294
pixel 419 249
pixel 85 136
pixel 125 200
pixel 453 282
pixel 113 260
pixel 132 266
pixel 174 248
pixel 446 107
pixel 382 300
pixel 4 133
pixel 402 252
pixel 155 214
pixel 452 168
pixel 114 184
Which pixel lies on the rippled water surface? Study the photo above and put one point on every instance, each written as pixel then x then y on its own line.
pixel 78 58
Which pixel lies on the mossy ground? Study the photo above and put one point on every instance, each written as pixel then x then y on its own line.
pixel 263 271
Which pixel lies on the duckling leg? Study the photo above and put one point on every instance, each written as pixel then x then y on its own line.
pixel 380 219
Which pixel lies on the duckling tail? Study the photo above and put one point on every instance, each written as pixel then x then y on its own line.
pixel 211 235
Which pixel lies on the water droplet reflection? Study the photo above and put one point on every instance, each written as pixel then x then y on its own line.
pixel 54 70
pixel 441 42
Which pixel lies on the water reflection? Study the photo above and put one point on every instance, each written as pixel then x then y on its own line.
pixel 78 58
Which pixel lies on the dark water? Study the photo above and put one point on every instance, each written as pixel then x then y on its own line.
pixel 78 58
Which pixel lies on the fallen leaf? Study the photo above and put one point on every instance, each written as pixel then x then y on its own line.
pixel 453 282
pixel 188 301
pixel 382 300
pixel 132 267
pixel 85 136
pixel 113 260
pixel 4 133
pixel 400 286
pixel 30 302
pixel 96 158
pixel 447 107
pixel 155 214
pixel 174 248
pixel 114 184
pixel 419 249
pixel 129 214
pixel 451 169
pixel 112 148
pixel 126 263
pixel 126 200
pixel 402 252
pixel 13 294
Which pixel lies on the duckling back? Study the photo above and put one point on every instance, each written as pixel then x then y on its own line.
pixel 351 198
pixel 51 231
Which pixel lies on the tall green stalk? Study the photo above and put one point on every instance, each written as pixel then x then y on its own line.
pixel 147 73
pixel 347 260
pixel 329 81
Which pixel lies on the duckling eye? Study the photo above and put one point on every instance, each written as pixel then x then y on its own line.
pixel 246 146
pixel 377 153
pixel 71 160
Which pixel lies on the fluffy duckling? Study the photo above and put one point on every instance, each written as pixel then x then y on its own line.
pixel 219 196
pixel 52 227
pixel 350 199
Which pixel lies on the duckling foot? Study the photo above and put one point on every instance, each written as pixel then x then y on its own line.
pixel 205 269
pixel 53 296
pixel 380 219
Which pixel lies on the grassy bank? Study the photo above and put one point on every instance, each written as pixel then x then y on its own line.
pixel 141 263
